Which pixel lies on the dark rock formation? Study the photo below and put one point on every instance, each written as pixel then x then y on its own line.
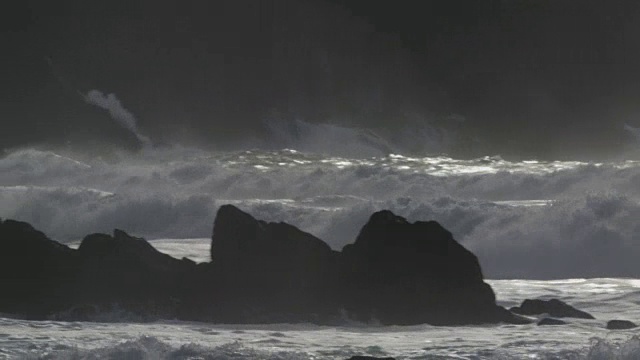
pixel 36 273
pixel 553 307
pixel 42 277
pixel 395 272
pixel 551 321
pixel 363 357
pixel 129 271
pixel 402 273
pixel 621 325
pixel 267 272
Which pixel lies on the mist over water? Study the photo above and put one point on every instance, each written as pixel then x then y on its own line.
pixel 117 112
pixel 524 219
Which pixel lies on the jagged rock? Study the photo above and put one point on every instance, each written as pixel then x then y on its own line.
pixel 551 321
pixel 43 278
pixel 269 271
pixel 397 272
pixel 553 307
pixel 621 325
pixel 128 270
pixel 36 273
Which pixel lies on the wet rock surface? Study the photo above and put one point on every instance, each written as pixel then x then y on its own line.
pixel 621 325
pixel 554 307
pixel 551 321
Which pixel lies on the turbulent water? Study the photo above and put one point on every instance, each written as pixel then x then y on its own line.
pixel 127 339
pixel 524 220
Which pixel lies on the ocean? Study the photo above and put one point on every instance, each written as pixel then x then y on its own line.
pixel 120 336
pixel 541 229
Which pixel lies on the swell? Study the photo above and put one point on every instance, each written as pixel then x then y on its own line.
pixel 527 219
pixel 149 347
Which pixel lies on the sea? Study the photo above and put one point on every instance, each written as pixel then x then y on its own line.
pixel 541 229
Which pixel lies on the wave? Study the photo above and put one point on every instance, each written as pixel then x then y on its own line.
pixel 417 137
pixel 326 138
pixel 602 349
pixel 149 347
pixel 528 219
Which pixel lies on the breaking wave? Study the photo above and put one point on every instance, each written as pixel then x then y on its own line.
pixel 326 138
pixel 149 347
pixel 524 219
pixel 416 137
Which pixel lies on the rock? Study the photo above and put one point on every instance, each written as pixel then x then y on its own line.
pixel 129 271
pixel 553 307
pixel 37 274
pixel 621 325
pixel 551 321
pixel 396 272
pixel 269 271
pixel 42 278
pixel 363 357
pixel 401 273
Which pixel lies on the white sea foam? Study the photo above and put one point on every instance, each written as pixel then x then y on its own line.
pixel 580 339
pixel 530 219
pixel 151 348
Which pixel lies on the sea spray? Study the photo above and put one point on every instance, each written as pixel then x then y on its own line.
pixel 118 113
pixel 531 219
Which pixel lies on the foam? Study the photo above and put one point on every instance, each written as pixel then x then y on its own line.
pixel 602 349
pixel 149 347
pixel 528 219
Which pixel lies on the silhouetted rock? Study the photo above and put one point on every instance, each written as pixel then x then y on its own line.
pixel 621 325
pixel 269 271
pixel 42 277
pixel 551 321
pixel 397 272
pixel 553 307
pixel 129 271
pixel 36 272
pixel 363 357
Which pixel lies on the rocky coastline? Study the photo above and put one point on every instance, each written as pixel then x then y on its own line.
pixel 394 273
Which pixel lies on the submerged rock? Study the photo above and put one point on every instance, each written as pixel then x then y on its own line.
pixel 551 321
pixel 621 325
pixel 553 307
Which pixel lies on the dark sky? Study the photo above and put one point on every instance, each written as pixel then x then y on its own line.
pixel 531 78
